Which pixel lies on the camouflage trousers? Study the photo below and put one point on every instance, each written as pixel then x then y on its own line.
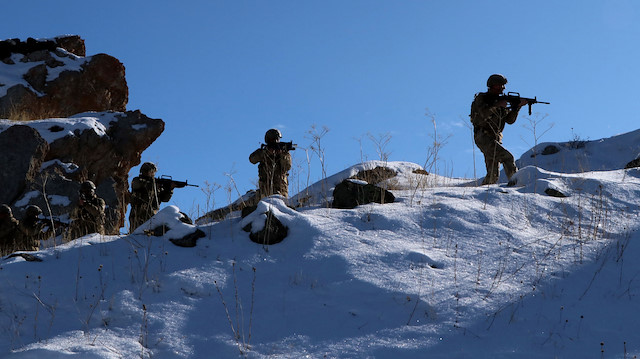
pixel 494 154
pixel 138 215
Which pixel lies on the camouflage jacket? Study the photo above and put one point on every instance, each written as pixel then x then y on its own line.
pixel 88 218
pixel 273 169
pixel 29 235
pixel 145 193
pixel 8 233
pixel 488 118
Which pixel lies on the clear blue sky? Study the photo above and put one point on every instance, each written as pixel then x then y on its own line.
pixel 220 73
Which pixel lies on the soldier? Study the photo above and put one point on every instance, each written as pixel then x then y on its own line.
pixel 489 115
pixel 88 216
pixel 8 230
pixel 29 230
pixel 146 195
pixel 274 165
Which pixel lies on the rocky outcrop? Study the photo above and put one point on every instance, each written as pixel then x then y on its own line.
pixel 73 126
pixel 101 147
pixel 46 78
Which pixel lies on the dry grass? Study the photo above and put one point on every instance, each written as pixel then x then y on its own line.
pixel 31 111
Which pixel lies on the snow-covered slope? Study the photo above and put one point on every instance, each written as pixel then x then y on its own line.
pixel 449 270
pixel 583 155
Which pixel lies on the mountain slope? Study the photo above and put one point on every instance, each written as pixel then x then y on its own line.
pixel 448 270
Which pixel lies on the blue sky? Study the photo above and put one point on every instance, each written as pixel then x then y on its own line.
pixel 220 73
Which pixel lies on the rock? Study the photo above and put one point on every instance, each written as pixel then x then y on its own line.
pixel 23 151
pixel 554 193
pixel 273 231
pixel 72 43
pixel 246 204
pixel 189 240
pixel 52 78
pixel 351 193
pixel 105 159
pixel 633 163
pixel 550 150
pixel 26 256
pixel 94 83
pixel 420 171
pixel 375 175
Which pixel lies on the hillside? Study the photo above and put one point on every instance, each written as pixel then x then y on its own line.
pixel 449 270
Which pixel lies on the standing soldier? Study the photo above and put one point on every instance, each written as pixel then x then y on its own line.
pixel 8 230
pixel 274 164
pixel 489 115
pixel 30 230
pixel 146 195
pixel 88 216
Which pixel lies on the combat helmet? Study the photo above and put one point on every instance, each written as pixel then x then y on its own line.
pixel 32 211
pixel 272 136
pixel 5 210
pixel 496 79
pixel 87 187
pixel 148 166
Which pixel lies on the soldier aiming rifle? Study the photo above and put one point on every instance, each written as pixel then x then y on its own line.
pixel 148 191
pixel 489 116
pixel 89 214
pixel 274 162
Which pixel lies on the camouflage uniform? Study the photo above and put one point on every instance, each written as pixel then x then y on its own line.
pixel 489 121
pixel 274 165
pixel 146 196
pixel 88 216
pixel 8 230
pixel 29 230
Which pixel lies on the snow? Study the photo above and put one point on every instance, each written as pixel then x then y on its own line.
pixel 22 202
pixel 55 128
pixel 584 155
pixel 449 270
pixel 13 74
pixel 67 166
pixel 56 200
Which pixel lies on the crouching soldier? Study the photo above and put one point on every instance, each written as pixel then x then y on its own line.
pixel 146 195
pixel 29 230
pixel 88 215
pixel 8 230
pixel 274 163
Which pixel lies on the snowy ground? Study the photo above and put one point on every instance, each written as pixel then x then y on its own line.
pixel 449 270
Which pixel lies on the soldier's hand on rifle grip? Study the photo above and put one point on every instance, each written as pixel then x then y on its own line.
pixel 523 102
pixel 502 103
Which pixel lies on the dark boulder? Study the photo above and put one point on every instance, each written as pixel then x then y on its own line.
pixel 273 231
pixel 351 193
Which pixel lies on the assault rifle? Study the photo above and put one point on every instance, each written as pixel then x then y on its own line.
pixel 281 146
pixel 56 222
pixel 513 98
pixel 167 181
